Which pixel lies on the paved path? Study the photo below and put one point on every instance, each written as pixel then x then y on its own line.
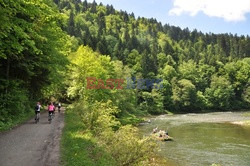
pixel 33 144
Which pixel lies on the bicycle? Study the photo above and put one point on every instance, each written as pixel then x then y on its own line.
pixel 50 117
pixel 37 117
pixel 59 105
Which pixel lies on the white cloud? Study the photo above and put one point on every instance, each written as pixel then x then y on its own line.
pixel 229 10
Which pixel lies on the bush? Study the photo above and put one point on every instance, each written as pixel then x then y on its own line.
pixel 98 117
pixel 122 143
pixel 126 146
pixel 153 102
pixel 14 105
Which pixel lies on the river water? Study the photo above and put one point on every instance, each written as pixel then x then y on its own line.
pixel 203 139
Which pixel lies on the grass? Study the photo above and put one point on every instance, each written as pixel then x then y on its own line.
pixel 79 147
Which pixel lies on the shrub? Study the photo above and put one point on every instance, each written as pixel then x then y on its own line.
pixel 14 105
pixel 123 143
pixel 126 146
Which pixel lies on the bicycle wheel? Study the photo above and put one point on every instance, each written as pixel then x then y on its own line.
pixel 50 118
pixel 37 117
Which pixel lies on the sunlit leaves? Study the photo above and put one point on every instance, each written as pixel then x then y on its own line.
pixel 87 63
pixel 184 94
pixel 219 93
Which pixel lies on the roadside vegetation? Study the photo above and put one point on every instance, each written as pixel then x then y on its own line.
pixel 99 138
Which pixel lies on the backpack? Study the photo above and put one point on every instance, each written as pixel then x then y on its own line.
pixel 36 107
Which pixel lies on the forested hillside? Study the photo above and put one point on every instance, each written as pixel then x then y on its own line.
pixel 199 71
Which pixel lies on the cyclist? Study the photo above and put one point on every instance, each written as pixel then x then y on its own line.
pixel 51 108
pixel 59 107
pixel 37 110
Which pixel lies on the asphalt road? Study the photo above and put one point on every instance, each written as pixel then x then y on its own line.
pixel 32 144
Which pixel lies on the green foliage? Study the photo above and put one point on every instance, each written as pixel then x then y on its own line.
pixel 238 74
pixel 188 70
pixel 14 105
pixel 155 51
pixel 184 94
pixel 170 61
pixel 35 62
pixel 86 63
pixel 79 147
pixel 168 73
pixel 166 92
pixel 246 94
pixel 99 117
pixel 201 101
pixel 162 59
pixel 152 50
pixel 40 58
pixel 92 137
pixel 220 93
pixel 127 148
pixel 125 98
pixel 152 102
pixel 33 53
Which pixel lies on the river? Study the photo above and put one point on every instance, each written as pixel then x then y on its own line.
pixel 203 139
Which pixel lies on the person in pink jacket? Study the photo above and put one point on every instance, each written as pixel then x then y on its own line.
pixel 51 108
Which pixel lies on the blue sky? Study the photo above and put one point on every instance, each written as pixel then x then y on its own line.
pixel 216 16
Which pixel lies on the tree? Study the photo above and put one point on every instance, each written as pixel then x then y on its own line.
pixel 170 61
pixel 155 51
pixel 152 102
pixel 133 58
pixel 93 7
pixel 32 41
pixel 162 59
pixel 101 47
pixel 166 92
pixel 238 74
pixel 84 6
pixel 188 70
pixel 246 95
pixel 87 63
pixel 184 95
pixel 219 93
pixel 168 73
pixel 148 64
pixel 71 24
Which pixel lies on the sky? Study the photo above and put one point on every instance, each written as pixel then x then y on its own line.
pixel 215 16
